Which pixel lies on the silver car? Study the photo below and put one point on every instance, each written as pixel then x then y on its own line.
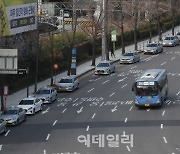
pixel 14 115
pixel 3 124
pixel 129 58
pixel 69 83
pixel 105 67
pixel 171 41
pixel 46 94
pixel 153 48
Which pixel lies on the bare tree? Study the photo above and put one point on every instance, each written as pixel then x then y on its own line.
pixel 94 30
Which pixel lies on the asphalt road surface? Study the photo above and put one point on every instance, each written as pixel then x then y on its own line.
pixel 101 118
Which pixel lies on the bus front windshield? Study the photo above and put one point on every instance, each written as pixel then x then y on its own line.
pixel 146 90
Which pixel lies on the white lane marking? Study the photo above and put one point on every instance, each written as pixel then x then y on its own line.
pixel 124 86
pixel 162 126
pixel 111 95
pixel 64 110
pixel 169 103
pixel 93 115
pixel 163 113
pixel 105 81
pixel 7 133
pixel 125 120
pixel 172 58
pixel 91 90
pixel 163 63
pixel 47 138
pixel 178 93
pixel 122 79
pixel 114 109
pixel 148 110
pixel 128 148
pixel 133 67
pixel 54 122
pixel 97 78
pixel 87 129
pixel 44 151
pixel 1 147
pixel 101 104
pixel 80 110
pixel 131 108
pixel 75 100
pixel 165 141
pixel 46 111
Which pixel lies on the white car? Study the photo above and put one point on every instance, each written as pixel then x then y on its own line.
pixel 31 105
pixel 178 35
pixel 153 48
pixel 171 41
pixel 104 67
pixel 69 83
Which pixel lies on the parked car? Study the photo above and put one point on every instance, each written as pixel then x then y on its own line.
pixel 105 67
pixel 3 124
pixel 31 105
pixel 178 35
pixel 46 94
pixel 69 83
pixel 171 41
pixel 129 57
pixel 153 48
pixel 14 115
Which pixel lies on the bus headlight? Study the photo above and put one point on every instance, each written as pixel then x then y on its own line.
pixel 136 102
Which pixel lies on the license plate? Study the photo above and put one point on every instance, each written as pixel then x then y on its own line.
pixel 147 105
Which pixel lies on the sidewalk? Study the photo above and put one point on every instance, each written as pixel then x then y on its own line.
pixel 81 69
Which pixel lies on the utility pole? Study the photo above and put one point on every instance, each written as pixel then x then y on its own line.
pixel 104 30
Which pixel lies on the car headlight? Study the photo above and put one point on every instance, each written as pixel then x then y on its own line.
pixel 30 108
pixel 136 102
pixel 158 101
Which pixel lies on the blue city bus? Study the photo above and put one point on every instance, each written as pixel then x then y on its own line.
pixel 151 88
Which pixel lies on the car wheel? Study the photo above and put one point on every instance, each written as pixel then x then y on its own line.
pixel 114 70
pixel 17 122
pixel 33 112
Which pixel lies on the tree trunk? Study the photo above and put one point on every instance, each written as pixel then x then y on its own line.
pixel 122 33
pixel 150 31
pixel 93 52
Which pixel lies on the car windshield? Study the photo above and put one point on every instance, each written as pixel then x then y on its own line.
pixel 10 112
pixel 26 102
pixel 152 45
pixel 65 81
pixel 128 54
pixel 103 65
pixel 169 38
pixel 43 92
pixel 143 90
pixel 178 33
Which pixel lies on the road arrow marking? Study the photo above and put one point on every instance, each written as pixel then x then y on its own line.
pixel 7 133
pixel 114 109
pixel 79 111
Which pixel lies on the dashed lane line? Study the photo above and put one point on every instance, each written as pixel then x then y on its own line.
pixel 44 151
pixel 105 81
pixel 7 133
pixel 1 147
pixel 163 113
pixel 54 122
pixel 125 120
pixel 87 129
pixel 93 115
pixel 165 141
pixel 111 94
pixel 178 93
pixel 91 90
pixel 131 108
pixel 163 63
pixel 75 100
pixel 128 148
pixel 133 67
pixel 172 58
pixel 162 125
pixel 124 86
pixel 64 110
pixel 47 138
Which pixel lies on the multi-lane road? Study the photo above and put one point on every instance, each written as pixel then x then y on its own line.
pixel 100 117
